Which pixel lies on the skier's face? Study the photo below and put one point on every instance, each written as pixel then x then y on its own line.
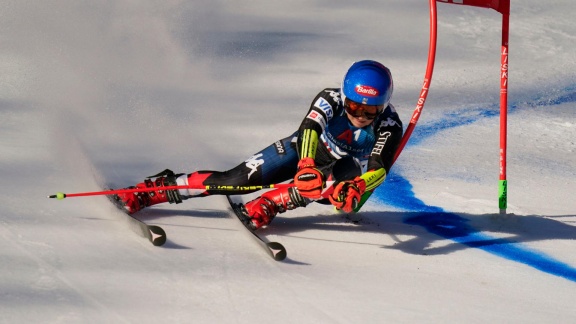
pixel 359 114
pixel 357 109
pixel 359 121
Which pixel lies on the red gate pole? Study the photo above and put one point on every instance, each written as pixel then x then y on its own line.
pixel 427 81
pixel 423 95
pixel 504 9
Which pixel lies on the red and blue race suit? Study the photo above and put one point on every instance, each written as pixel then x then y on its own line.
pixel 340 150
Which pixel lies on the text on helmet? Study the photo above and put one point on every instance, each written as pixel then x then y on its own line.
pixel 366 91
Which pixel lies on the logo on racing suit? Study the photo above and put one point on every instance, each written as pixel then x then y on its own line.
pixel 325 106
pixel 253 163
pixel 317 117
pixel 280 149
pixel 347 136
pixel 335 95
pixel 380 143
pixel 389 122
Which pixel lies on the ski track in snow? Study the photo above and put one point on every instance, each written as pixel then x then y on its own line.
pixel 452 226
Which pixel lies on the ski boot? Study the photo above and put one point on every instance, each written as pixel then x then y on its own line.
pixel 264 208
pixel 135 201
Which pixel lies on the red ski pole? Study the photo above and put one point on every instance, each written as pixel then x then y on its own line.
pixel 61 195
pixel 427 80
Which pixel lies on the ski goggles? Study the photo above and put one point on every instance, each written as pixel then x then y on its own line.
pixel 359 110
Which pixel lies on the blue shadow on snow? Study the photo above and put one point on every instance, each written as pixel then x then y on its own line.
pixel 397 192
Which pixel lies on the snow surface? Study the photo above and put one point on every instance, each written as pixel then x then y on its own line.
pixel 112 91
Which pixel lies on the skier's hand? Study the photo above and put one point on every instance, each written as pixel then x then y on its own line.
pixel 309 180
pixel 347 194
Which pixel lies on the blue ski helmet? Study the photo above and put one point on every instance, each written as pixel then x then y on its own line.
pixel 369 83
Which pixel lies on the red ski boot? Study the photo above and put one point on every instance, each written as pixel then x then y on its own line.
pixel 264 208
pixel 136 201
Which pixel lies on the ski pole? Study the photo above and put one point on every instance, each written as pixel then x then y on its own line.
pixel 61 195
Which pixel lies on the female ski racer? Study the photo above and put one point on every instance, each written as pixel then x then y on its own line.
pixel 342 150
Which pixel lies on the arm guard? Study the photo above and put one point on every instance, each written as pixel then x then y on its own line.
pixel 374 178
pixel 309 144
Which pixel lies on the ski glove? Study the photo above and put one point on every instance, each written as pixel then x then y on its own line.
pixel 309 180
pixel 347 194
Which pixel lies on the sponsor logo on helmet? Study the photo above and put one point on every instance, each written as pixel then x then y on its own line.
pixel 368 91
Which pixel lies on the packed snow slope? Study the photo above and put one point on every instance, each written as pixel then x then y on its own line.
pixel 107 93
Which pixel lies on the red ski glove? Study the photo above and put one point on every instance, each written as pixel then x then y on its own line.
pixel 347 194
pixel 309 180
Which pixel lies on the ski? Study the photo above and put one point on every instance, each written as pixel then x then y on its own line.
pixel 274 249
pixel 154 234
